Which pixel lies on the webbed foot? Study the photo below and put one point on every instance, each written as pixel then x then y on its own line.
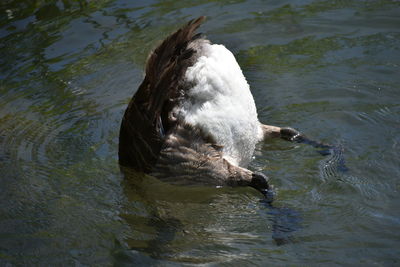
pixel 259 181
pixel 291 134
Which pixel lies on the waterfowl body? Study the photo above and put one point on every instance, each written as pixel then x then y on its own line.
pixel 193 118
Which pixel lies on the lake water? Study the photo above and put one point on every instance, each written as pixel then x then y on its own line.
pixel 328 68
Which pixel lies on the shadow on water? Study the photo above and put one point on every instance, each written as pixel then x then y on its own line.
pixel 335 161
pixel 285 222
pixel 158 217
pixel 153 230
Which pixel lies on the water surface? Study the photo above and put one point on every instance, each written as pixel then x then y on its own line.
pixel 327 68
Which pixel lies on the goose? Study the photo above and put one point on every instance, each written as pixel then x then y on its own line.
pixel 193 119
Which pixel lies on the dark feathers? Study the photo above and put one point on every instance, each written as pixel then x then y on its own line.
pixel 147 119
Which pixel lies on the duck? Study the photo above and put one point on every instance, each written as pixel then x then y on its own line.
pixel 193 119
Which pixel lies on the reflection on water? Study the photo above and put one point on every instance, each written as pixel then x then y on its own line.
pixel 186 223
pixel 327 68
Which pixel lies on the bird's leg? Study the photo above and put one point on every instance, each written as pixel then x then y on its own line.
pixel 285 133
pixel 293 135
pixel 239 176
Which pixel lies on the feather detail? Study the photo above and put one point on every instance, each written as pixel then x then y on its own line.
pixel 147 118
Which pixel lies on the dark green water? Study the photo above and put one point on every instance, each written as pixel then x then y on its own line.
pixel 327 68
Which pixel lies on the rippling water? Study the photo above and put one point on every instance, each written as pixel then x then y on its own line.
pixel 327 68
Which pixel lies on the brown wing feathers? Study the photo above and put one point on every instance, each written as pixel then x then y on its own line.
pixel 146 120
